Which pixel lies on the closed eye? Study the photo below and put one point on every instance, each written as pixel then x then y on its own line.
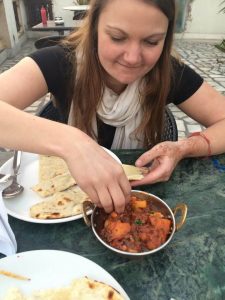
pixel 117 39
pixel 151 43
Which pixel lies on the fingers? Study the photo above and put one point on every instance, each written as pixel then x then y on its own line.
pixel 110 199
pixel 103 179
pixel 153 176
pixel 125 187
pixel 160 149
pixel 145 158
pixel 120 196
pixel 160 171
pixel 116 195
pixel 113 194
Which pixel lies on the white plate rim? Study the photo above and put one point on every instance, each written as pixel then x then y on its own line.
pixel 31 156
pixel 39 258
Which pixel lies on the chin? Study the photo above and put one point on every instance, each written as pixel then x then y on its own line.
pixel 127 78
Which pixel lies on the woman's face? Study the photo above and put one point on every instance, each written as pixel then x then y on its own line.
pixel 131 36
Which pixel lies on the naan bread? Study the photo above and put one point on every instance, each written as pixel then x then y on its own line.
pixel 51 166
pixel 14 294
pixel 134 173
pixel 87 289
pixel 80 289
pixel 53 185
pixel 54 176
pixel 61 205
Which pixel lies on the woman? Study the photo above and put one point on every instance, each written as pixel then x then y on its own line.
pixel 112 78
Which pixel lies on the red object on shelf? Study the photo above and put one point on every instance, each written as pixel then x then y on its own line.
pixel 43 15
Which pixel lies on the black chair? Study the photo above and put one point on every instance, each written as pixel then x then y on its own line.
pixel 170 131
pixel 47 41
pixel 49 111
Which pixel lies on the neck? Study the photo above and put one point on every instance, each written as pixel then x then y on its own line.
pixel 114 85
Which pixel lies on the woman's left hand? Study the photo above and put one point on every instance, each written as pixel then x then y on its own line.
pixel 163 159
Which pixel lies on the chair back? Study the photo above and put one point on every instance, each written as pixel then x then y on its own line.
pixel 170 131
pixel 50 112
pixel 47 41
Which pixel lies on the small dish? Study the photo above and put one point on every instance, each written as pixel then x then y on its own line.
pixel 99 217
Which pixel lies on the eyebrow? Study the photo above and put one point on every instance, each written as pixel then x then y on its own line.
pixel 154 35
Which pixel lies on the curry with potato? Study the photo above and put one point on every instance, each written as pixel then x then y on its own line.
pixel 139 228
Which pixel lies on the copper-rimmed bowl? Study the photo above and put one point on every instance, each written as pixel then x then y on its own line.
pixel 98 217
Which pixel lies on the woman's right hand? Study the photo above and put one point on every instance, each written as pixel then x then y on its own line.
pixel 98 174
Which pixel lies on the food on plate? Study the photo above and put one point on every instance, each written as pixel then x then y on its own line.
pixel 82 289
pixel 134 173
pixel 56 184
pixel 54 175
pixel 14 294
pixel 139 228
pixel 64 197
pixel 61 205
pixel 13 275
pixel 51 166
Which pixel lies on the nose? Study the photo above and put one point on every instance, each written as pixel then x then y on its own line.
pixel 132 54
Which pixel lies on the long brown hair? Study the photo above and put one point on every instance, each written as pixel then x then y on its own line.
pixel 88 86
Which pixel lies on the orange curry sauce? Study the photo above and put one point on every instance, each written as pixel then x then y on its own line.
pixel 137 229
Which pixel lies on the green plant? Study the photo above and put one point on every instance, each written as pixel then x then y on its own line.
pixel 221 46
pixel 223 8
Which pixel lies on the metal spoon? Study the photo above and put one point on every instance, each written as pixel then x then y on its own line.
pixel 14 188
pixel 5 178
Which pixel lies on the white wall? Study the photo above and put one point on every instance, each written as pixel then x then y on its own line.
pixel 58 10
pixel 10 19
pixel 14 39
pixel 204 20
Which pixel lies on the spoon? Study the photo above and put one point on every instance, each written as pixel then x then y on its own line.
pixel 14 188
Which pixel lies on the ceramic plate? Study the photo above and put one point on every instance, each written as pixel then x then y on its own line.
pixel 19 206
pixel 51 269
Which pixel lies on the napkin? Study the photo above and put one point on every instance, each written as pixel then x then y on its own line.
pixel 8 245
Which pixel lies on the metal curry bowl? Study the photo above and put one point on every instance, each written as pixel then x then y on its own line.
pixel 98 217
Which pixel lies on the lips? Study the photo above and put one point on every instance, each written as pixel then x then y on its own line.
pixel 129 66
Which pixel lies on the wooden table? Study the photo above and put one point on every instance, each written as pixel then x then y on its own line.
pixel 191 266
pixel 51 26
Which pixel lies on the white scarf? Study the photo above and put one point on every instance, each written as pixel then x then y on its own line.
pixel 123 112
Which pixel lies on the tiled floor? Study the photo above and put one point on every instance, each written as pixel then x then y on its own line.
pixel 202 56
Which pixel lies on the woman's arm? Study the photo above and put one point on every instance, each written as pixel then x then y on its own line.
pixel 207 107
pixel 22 84
pixel 96 172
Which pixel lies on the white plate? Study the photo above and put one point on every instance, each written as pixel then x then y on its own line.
pixel 51 269
pixel 19 206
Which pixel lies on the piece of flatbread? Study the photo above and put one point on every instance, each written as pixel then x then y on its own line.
pixel 51 166
pixel 134 173
pixel 61 205
pixel 88 289
pixel 57 184
pixel 80 289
